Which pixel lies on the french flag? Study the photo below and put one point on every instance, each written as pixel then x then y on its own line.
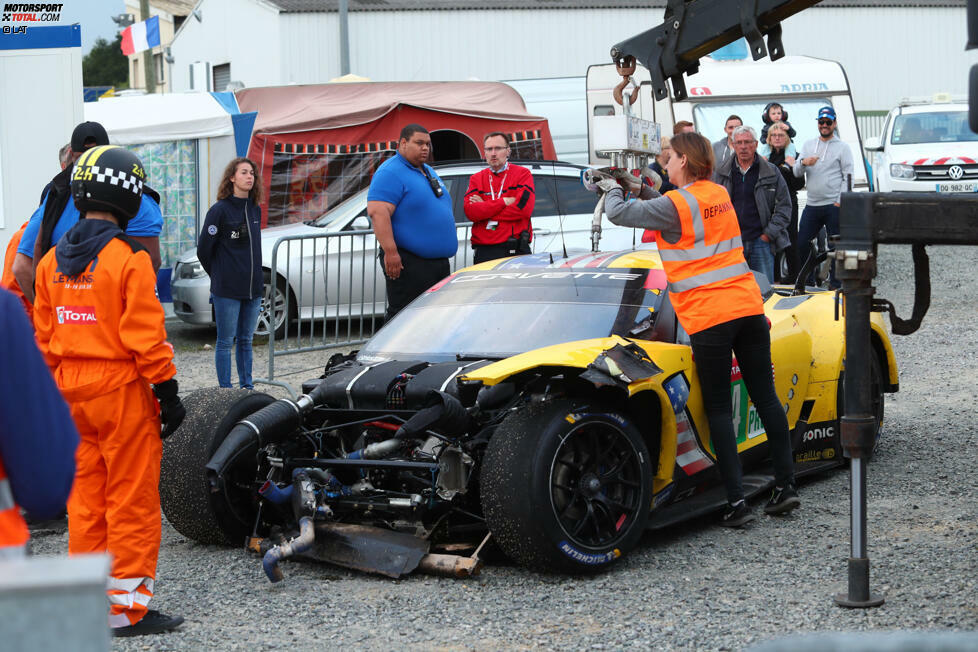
pixel 141 36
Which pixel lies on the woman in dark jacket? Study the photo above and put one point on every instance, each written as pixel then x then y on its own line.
pixel 780 157
pixel 229 249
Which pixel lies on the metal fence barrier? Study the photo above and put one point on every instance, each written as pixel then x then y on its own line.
pixel 329 291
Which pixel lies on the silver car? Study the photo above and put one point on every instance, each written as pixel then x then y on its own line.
pixel 327 267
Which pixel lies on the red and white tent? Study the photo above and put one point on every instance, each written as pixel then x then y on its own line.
pixel 316 145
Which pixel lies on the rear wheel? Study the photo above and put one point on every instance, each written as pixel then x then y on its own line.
pixel 224 517
pixel 566 488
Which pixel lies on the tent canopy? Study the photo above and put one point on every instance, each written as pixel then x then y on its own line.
pixel 331 106
pixel 159 118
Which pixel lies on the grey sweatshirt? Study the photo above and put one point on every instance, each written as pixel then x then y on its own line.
pixel 828 178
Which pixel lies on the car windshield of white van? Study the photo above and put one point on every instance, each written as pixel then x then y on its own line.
pixel 710 117
pixel 936 127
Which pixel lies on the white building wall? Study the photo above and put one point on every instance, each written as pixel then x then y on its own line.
pixel 888 53
pixel 244 33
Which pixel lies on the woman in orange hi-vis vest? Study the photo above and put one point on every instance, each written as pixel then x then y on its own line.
pixel 719 304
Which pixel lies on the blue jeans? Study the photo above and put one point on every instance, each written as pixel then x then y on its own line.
pixel 813 218
pixel 759 257
pixel 750 339
pixel 236 321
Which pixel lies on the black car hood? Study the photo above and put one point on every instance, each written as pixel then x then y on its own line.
pixel 391 385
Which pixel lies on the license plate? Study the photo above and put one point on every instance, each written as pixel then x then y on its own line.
pixel 961 186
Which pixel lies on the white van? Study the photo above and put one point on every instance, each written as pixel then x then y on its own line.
pixel 561 100
pixel 722 88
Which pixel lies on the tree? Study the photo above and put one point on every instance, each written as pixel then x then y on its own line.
pixel 105 64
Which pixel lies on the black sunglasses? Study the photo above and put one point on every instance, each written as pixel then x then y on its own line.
pixel 825 122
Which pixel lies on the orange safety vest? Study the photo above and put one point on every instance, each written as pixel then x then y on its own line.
pixel 13 529
pixel 709 280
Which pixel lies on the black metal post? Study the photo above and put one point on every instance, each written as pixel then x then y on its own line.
pixel 855 266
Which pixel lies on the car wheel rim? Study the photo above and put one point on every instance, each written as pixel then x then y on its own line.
pixel 271 315
pixel 596 485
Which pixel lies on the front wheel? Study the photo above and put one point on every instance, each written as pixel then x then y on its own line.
pixel 566 488
pixel 277 307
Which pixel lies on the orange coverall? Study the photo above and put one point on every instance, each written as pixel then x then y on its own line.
pixel 7 280
pixel 101 332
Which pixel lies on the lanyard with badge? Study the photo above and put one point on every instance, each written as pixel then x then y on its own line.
pixel 492 225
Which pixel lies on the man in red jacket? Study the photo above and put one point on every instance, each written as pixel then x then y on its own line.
pixel 499 202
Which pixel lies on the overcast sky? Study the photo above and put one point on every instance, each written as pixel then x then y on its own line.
pixel 94 16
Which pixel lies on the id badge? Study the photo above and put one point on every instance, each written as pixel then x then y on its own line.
pixel 492 225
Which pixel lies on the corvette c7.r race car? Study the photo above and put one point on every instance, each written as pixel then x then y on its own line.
pixel 553 405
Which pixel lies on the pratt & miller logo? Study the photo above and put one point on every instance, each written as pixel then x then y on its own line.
pixel 31 12
pixel 76 314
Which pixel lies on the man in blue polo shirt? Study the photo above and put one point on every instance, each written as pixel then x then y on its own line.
pixel 57 214
pixel 412 218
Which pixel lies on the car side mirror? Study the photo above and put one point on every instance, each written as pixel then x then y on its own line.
pixel 360 223
pixel 873 144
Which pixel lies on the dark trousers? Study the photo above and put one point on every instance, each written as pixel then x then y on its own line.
pixel 502 250
pixel 418 274
pixel 749 338
pixel 791 251
pixel 813 218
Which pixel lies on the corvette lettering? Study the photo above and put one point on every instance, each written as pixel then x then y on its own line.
pixel 76 314
pixel 516 276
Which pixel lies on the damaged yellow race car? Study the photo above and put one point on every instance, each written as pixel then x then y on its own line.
pixel 551 406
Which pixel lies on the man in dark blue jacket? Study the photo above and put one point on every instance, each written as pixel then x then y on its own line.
pixel 37 435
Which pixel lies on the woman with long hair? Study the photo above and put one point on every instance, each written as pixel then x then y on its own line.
pixel 719 305
pixel 229 249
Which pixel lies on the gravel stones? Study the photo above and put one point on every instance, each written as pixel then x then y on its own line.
pixel 695 587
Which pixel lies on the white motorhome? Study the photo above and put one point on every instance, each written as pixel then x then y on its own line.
pixel 561 101
pixel 722 88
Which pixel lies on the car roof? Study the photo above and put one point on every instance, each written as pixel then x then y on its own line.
pixel 533 164
pixel 588 262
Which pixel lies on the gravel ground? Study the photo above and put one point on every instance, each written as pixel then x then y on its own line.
pixel 697 587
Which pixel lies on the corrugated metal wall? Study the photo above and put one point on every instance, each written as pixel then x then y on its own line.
pixel 888 53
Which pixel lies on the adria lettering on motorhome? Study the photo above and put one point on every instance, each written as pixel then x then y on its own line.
pixel 804 88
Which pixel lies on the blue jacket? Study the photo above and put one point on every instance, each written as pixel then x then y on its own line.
pixel 37 435
pixel 229 248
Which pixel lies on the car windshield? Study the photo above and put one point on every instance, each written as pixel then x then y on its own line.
pixel 499 314
pixel 936 127
pixel 346 211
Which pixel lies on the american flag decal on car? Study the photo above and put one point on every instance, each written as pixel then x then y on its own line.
pixel 689 457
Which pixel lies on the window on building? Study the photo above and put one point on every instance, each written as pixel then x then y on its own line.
pixel 221 76
pixel 158 64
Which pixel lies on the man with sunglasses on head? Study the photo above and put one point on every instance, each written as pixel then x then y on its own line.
pixel 412 218
pixel 499 201
pixel 826 164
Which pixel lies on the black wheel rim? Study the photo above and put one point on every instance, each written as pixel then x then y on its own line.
pixel 596 484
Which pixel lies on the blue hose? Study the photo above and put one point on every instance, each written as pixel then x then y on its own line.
pixel 307 536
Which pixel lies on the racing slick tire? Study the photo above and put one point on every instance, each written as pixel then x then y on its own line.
pixel 224 517
pixel 876 398
pixel 274 315
pixel 566 488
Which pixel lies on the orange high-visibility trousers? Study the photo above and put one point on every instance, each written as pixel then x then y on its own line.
pixel 115 503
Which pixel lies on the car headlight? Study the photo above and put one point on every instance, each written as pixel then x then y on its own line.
pixel 899 171
pixel 190 270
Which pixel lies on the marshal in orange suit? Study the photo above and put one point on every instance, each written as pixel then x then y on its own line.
pixel 100 328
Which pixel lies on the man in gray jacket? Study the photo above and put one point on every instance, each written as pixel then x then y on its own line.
pixel 723 149
pixel 760 198
pixel 826 163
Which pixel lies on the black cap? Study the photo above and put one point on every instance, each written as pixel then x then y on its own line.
pixel 88 131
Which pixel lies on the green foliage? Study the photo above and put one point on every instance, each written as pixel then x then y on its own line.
pixel 106 65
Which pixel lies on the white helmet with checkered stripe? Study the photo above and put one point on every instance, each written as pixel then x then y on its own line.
pixel 108 178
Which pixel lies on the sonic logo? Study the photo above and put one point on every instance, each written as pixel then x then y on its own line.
pixel 818 433
pixel 76 314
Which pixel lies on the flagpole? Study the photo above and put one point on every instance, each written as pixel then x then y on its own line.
pixel 149 70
